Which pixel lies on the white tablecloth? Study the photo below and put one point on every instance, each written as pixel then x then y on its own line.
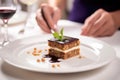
pixel 109 72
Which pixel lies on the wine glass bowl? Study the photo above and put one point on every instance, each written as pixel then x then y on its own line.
pixel 7 10
pixel 6 13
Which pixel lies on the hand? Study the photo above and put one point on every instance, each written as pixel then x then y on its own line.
pixel 101 23
pixel 52 14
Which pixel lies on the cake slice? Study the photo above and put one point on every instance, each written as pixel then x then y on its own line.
pixel 66 48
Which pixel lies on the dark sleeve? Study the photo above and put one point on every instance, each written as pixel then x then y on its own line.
pixel 111 5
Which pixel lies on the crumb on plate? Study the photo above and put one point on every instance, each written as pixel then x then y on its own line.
pixel 43 59
pixel 38 60
pixel 53 65
pixel 35 49
pixel 39 51
pixel 58 65
pixel 80 56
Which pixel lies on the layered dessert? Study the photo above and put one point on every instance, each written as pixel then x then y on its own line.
pixel 65 48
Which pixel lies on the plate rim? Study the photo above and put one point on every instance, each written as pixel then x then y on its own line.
pixel 25 68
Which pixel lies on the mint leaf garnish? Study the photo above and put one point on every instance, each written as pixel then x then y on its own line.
pixel 61 32
pixel 59 35
pixel 56 35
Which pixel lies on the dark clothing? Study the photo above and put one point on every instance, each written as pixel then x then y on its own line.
pixel 84 8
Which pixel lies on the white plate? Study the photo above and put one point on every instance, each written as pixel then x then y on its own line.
pixel 96 54
pixel 19 17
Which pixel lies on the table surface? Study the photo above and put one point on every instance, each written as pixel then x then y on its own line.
pixel 109 72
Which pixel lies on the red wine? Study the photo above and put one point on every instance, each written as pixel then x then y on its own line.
pixel 7 13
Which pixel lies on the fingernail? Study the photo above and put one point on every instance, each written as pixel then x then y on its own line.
pixel 55 27
pixel 84 31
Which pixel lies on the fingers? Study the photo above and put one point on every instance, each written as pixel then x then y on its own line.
pixel 57 15
pixel 99 24
pixel 107 33
pixel 89 22
pixel 107 30
pixel 52 15
pixel 41 22
pixel 48 12
pixel 100 32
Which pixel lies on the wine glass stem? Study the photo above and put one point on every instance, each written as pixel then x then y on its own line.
pixel 29 11
pixel 6 39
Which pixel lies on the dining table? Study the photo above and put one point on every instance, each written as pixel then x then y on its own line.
pixel 109 72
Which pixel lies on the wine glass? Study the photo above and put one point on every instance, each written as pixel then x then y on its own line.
pixel 7 10
pixel 30 6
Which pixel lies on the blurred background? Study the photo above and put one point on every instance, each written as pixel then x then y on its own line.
pixel 33 5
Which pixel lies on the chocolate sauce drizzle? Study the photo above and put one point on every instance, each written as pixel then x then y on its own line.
pixel 65 40
pixel 53 59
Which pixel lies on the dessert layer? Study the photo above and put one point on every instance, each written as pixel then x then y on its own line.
pixel 63 55
pixel 65 51
pixel 65 44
